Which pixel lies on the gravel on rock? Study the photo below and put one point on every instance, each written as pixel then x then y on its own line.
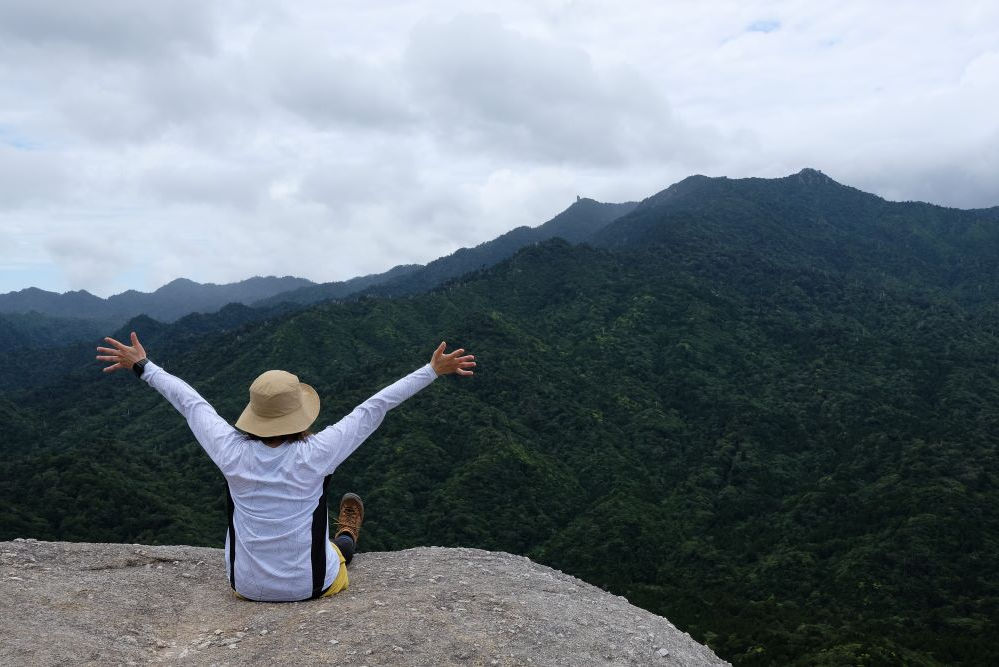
pixel 70 603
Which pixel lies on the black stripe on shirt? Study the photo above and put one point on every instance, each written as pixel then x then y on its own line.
pixel 232 537
pixel 320 526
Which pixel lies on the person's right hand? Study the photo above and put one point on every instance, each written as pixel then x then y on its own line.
pixel 122 356
pixel 445 364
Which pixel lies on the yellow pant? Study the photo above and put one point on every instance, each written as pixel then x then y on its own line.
pixel 341 583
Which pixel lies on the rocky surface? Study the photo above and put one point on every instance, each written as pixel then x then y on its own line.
pixel 64 603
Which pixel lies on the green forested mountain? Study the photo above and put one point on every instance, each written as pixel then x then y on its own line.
pixel 49 363
pixel 577 223
pixel 809 222
pixel 34 330
pixel 30 310
pixel 182 297
pixel 170 302
pixel 75 304
pixel 310 294
pixel 763 409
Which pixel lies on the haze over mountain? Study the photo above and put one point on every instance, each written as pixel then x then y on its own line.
pixel 168 303
pixel 766 409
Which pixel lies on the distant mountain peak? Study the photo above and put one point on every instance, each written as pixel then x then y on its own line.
pixel 583 217
pixel 810 176
pixel 181 281
pixel 31 290
pixel 679 189
pixel 699 186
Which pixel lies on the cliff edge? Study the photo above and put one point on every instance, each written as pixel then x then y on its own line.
pixel 67 603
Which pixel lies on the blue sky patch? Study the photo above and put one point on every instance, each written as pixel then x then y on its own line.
pixel 10 137
pixel 763 25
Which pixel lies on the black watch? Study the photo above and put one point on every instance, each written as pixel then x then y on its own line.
pixel 139 366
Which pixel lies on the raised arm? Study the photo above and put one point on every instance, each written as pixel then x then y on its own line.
pixel 339 441
pixel 213 433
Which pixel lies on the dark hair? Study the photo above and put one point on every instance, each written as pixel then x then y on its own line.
pixel 274 440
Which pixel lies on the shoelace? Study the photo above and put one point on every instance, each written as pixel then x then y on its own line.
pixel 350 516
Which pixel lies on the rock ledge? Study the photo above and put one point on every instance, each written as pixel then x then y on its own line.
pixel 67 603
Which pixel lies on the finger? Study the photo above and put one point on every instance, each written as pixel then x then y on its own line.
pixel 112 368
pixel 106 350
pixel 440 350
pixel 456 352
pixel 467 357
pixel 104 357
pixel 120 346
pixel 462 371
pixel 467 364
pixel 136 344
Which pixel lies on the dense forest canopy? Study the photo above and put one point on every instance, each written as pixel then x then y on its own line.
pixel 765 409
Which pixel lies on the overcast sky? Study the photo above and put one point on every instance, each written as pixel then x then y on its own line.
pixel 145 141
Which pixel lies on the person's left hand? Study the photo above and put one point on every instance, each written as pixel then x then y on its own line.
pixel 122 356
pixel 445 364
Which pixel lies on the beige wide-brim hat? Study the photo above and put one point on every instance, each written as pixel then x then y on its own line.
pixel 279 405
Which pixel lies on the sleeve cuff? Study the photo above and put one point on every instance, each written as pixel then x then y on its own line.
pixel 149 371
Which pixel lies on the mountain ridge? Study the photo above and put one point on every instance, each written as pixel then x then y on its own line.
pixel 583 221
pixel 575 223
pixel 168 302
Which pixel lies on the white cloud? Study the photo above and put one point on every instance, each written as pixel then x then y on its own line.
pixel 486 87
pixel 222 140
pixel 112 29
pixel 338 91
pixel 29 177
pixel 88 258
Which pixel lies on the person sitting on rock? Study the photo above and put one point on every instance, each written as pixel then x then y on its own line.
pixel 278 472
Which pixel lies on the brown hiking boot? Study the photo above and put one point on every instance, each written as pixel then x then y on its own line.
pixel 351 516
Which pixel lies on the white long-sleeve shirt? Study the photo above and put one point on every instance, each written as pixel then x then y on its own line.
pixel 278 547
